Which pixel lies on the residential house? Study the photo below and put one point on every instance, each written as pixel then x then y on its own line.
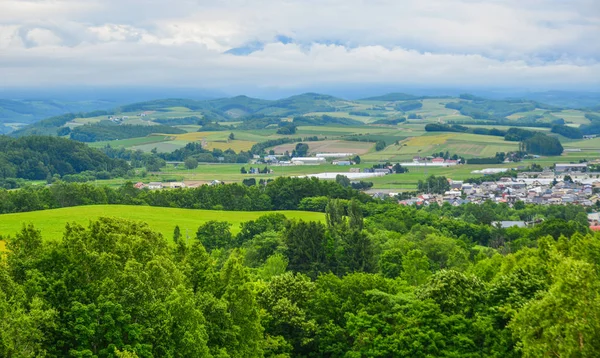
pixel 564 168
pixel 155 185
pixel 456 184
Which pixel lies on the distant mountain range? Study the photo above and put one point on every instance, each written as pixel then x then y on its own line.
pixel 15 114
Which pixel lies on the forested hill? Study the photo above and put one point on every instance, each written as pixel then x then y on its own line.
pixel 40 157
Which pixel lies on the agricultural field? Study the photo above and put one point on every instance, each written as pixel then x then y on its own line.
pixel 167 146
pixel 329 146
pixel 462 144
pixel 584 144
pixel 573 116
pixel 132 142
pixel 408 181
pixel 163 220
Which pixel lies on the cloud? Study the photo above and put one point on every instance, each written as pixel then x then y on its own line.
pixel 537 43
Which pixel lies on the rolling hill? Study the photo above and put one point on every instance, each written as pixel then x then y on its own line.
pixel 52 222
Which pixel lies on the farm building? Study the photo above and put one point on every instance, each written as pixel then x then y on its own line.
pixel 334 155
pixel 351 176
pixel 155 185
pixel 308 160
pixel 341 162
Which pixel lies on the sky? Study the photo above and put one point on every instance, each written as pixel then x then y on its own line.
pixel 287 44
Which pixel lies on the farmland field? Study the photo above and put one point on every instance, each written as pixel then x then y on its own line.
pixel 462 144
pixel 592 144
pixel 330 146
pixel 236 145
pixel 163 220
pixel 127 143
pixel 573 116
pixel 161 147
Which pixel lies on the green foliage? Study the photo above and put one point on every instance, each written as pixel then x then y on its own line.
pixel 518 134
pixel 301 150
pixel 408 106
pixel 480 108
pixel 401 282
pixel 390 122
pixel 437 127
pixel 286 128
pixel 434 185
pixel 564 321
pixel 454 292
pixel 543 145
pixel 191 163
pixel 326 120
pixel 215 234
pixel 306 247
pixel 38 158
pixel 279 194
pixel 380 145
pixel 566 131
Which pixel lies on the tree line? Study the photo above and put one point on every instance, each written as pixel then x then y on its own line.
pixel 280 194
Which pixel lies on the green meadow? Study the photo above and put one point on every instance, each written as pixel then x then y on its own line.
pixel 52 222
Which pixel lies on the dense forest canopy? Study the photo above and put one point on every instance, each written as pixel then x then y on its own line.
pixel 40 157
pixel 400 282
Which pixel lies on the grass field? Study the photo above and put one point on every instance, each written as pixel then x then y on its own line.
pixel 573 116
pixel 586 144
pixel 408 181
pixel 163 220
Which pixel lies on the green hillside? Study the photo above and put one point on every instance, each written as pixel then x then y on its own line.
pixel 163 220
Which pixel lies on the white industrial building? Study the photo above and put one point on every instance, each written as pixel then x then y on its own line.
pixel 334 155
pixel 349 175
pixel 308 160
pixel 428 164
